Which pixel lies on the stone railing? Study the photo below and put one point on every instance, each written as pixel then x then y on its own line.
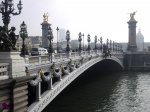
pixel 4 71
pixel 42 59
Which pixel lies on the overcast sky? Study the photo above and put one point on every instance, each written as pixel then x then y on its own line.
pixel 106 18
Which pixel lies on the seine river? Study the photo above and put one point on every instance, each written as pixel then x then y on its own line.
pixel 106 92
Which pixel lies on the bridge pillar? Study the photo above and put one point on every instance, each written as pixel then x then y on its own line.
pixel 45 42
pixel 132 35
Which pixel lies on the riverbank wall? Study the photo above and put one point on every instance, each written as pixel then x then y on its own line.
pixel 137 61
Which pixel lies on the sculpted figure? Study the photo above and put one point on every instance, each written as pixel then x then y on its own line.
pixel 6 41
pixel 132 15
pixel 12 36
pixel 45 17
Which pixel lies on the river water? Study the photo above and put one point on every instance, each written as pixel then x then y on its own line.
pixel 107 92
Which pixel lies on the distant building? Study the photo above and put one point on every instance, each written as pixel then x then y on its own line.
pixel 62 35
pixel 36 41
pixel 140 41
pixel 74 44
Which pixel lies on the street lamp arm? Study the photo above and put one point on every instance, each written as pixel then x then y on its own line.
pixel 16 13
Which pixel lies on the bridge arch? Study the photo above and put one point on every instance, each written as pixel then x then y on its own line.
pixel 110 63
pixel 88 63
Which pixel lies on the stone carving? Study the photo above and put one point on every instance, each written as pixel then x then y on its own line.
pixel 56 72
pixel 7 40
pixel 45 17
pixel 47 78
pixel 34 82
pixel 132 15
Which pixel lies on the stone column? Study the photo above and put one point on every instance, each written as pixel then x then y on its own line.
pixel 132 35
pixel 45 41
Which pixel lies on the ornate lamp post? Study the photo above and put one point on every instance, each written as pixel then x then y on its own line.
pixel 83 42
pixel 110 45
pixel 113 45
pixel 23 35
pixel 101 41
pixel 57 38
pixel 68 38
pixel 88 39
pixel 95 42
pixel 7 8
pixel 80 39
pixel 120 47
pixel 50 38
pixel 116 47
pixel 107 42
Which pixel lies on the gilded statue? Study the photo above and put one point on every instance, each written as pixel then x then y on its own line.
pixel 132 15
pixel 45 17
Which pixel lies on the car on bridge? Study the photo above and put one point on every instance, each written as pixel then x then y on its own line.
pixel 38 51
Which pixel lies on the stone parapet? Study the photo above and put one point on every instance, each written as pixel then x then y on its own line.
pixel 16 63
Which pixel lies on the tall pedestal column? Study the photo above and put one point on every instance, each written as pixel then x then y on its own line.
pixel 132 36
pixel 45 41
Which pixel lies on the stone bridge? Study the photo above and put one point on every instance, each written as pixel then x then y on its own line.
pixel 57 75
pixel 47 75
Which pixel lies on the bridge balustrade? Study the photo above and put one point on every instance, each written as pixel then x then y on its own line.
pixel 74 54
pixel 84 53
pixel 35 60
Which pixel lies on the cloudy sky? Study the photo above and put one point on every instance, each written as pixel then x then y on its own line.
pixel 106 18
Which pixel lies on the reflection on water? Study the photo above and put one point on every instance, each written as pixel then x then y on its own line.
pixel 118 92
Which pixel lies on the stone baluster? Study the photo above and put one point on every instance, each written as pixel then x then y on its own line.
pixel 60 57
pixel 40 60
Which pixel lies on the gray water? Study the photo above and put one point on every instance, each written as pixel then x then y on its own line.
pixel 115 92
